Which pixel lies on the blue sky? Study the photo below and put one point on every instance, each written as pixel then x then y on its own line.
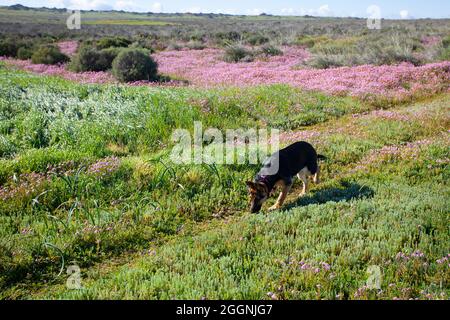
pixel 389 9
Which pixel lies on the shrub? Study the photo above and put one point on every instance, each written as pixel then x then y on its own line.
pixel 323 61
pixel 392 55
pixel 257 39
pixel 85 60
pixel 8 48
pixel 24 53
pixel 376 50
pixel 446 42
pixel 91 59
pixel 228 36
pixel 237 53
pixel 269 50
pixel 310 41
pixel 195 45
pixel 173 46
pixel 143 44
pixel 49 54
pixel 107 56
pixel 444 54
pixel 118 42
pixel 134 65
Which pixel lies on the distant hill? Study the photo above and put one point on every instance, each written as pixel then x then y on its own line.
pixel 25 8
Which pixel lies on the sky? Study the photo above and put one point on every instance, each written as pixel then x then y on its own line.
pixel 398 9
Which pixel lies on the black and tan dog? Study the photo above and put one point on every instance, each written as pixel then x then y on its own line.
pixel 279 169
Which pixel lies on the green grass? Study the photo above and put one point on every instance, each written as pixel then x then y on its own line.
pixel 143 227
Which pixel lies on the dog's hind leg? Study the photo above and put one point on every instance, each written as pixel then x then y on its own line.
pixel 303 175
pixel 281 197
pixel 316 177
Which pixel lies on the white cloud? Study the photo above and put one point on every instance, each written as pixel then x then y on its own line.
pixel 126 5
pixel 56 4
pixel 156 7
pixel 288 11
pixel 225 11
pixel 404 14
pixel 194 10
pixel 324 10
pixel 254 12
pixel 88 5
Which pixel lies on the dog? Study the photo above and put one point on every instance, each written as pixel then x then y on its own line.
pixel 279 169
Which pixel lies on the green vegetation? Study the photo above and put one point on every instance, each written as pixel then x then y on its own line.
pixel 85 176
pixel 134 65
pixel 48 54
pixel 131 22
pixel 390 47
pixel 238 53
pixel 92 59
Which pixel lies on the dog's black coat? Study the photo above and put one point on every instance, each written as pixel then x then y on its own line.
pixel 291 160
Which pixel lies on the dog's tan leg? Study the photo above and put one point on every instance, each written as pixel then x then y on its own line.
pixel 316 177
pixel 302 175
pixel 281 197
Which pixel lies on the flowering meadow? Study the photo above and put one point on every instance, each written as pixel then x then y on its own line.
pixel 88 143
pixel 86 177
pixel 206 67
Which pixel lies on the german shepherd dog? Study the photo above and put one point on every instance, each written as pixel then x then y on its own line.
pixel 299 159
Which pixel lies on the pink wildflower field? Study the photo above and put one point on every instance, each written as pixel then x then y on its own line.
pixel 205 68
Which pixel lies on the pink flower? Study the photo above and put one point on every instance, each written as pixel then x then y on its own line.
pixel 68 47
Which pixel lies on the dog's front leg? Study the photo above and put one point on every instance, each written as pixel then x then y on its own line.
pixel 281 197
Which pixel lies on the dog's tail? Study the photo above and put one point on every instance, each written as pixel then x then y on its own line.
pixel 321 157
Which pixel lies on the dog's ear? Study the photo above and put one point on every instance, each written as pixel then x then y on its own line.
pixel 250 185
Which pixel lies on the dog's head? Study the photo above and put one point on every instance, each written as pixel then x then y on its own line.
pixel 258 194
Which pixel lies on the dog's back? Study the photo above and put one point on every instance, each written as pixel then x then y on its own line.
pixel 292 159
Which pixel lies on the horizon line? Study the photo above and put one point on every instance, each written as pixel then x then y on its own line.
pixel 220 14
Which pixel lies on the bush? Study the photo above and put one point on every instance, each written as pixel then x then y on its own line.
pixel 49 54
pixel 24 53
pixel 323 61
pixel 376 50
pixel 91 59
pixel 269 50
pixel 310 41
pixel 196 45
pixel 444 54
pixel 392 55
pixel 107 56
pixel 8 48
pixel 238 54
pixel 141 43
pixel 134 65
pixel 108 42
pixel 173 46
pixel 446 42
pixel 228 36
pixel 257 39
pixel 85 60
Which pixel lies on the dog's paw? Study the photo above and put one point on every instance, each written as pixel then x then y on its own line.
pixel 274 207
